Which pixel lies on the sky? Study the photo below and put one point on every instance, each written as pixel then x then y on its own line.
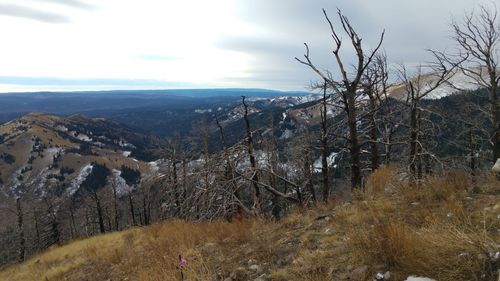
pixel 67 45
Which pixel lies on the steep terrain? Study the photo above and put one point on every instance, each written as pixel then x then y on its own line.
pixel 40 152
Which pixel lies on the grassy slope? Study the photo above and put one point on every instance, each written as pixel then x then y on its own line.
pixel 439 230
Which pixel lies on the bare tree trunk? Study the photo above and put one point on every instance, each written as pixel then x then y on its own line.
pixel 413 134
pixel 145 209
pixel 353 141
pixel 253 163
pixel 37 228
pixel 176 187
pixel 100 219
pixel 115 207
pixel 495 111
pixel 374 157
pixel 229 173
pixel 20 228
pixel 472 155
pixel 419 146
pixel 324 149
pixel 308 174
pixel 132 211
pixel 72 220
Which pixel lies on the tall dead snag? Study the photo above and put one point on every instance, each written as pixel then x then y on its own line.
pixel 417 88
pixel 95 181
pixel 324 149
pixel 347 86
pixel 253 163
pixel 20 228
pixel 477 37
pixel 375 86
pixel 228 167
pixel 114 184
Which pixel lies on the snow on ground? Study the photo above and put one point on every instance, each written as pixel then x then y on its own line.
pixel 80 136
pixel 120 184
pixel 124 143
pixel 127 153
pixel 61 128
pixel 82 175
pixel 458 82
pixel 330 160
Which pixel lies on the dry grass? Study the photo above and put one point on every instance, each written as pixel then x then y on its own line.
pixel 435 230
pixel 440 230
pixel 141 254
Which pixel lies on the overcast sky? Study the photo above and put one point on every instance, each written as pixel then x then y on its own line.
pixel 130 44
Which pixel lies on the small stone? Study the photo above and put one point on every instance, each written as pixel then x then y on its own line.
pixel 379 276
pixel 256 268
pixel 251 262
pixel 387 276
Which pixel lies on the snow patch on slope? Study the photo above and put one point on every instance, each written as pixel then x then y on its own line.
pixel 120 184
pixel 82 175
pixel 330 160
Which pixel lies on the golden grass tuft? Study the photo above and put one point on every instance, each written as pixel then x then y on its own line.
pixel 383 180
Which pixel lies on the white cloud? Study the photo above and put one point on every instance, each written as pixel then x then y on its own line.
pixel 245 43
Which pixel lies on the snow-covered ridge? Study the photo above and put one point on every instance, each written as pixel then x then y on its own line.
pixel 458 82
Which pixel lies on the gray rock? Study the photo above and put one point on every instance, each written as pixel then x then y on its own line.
pixel 387 276
pixel 256 268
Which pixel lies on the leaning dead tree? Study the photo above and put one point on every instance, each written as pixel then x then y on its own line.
pixel 346 86
pixel 477 37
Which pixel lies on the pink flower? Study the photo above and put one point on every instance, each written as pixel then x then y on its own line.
pixel 182 262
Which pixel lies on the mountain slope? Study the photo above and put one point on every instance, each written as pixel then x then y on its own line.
pixel 40 151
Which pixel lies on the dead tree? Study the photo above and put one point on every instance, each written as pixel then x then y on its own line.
pixel 324 149
pixel 20 228
pixel 228 166
pixel 253 164
pixel 115 205
pixel 378 110
pixel 346 86
pixel 477 37
pixel 417 87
